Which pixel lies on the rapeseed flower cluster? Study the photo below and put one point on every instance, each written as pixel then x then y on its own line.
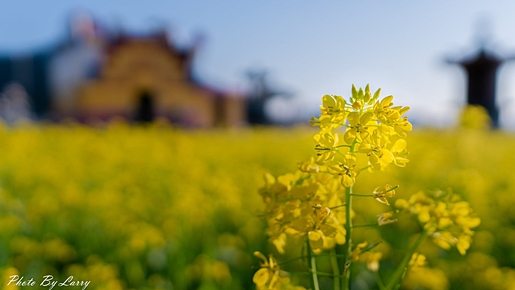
pixel 445 216
pixel 309 202
pixel 373 127
pixel 302 204
pixel 316 201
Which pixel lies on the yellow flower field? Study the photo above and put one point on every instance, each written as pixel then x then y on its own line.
pixel 156 207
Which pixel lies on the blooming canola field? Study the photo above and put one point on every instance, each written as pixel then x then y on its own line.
pixel 156 207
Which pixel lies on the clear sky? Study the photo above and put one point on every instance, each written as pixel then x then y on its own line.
pixel 310 48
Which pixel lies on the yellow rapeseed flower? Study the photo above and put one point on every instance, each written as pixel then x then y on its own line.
pixel 382 192
pixel 345 169
pixel 417 260
pixel 445 216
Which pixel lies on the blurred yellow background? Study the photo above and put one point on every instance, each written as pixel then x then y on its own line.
pixel 156 207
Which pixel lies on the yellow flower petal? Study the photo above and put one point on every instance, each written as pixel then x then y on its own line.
pixel 366 118
pixel 280 242
pixel 347 181
pixel 399 145
pixel 328 102
pixel 463 244
pixel 316 240
pixel 261 277
pixel 353 119
pixel 387 101
pixel 387 156
pixel 349 136
pixel 328 230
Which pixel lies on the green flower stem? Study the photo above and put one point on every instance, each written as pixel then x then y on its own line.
pixel 362 195
pixel 379 281
pixel 311 272
pixel 365 225
pixel 313 267
pixel 393 188
pixel 341 205
pixel 348 238
pixel 401 269
pixel 348 230
pixel 336 270
pixel 363 168
pixel 307 257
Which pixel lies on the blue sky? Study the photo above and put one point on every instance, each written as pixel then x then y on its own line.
pixel 310 48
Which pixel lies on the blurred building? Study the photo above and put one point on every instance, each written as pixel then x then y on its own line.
pixel 95 75
pixel 30 73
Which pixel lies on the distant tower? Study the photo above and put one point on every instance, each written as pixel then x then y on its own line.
pixel 481 71
pixel 261 92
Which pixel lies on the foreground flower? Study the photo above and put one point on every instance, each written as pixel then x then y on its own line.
pixel 345 169
pixel 374 127
pixel 326 146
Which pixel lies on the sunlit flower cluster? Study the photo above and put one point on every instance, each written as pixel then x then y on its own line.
pixel 373 127
pixel 315 202
pixel 302 204
pixel 448 219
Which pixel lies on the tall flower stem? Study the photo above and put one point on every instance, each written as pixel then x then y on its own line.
pixel 401 269
pixel 348 229
pixel 348 238
pixel 336 270
pixel 313 266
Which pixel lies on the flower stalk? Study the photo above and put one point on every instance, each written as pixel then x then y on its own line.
pixel 396 278
pixel 348 239
pixel 313 266
pixel 336 270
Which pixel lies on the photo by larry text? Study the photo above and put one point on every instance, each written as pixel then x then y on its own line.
pixel 47 281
